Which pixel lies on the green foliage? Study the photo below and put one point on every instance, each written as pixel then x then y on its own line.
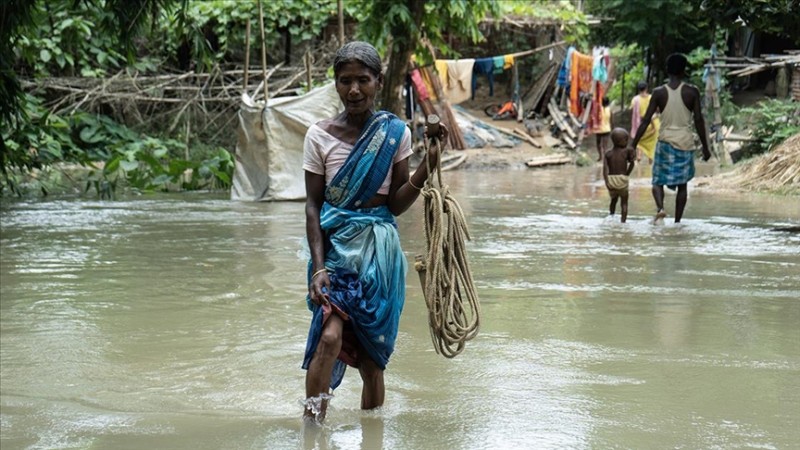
pixel 771 122
pixel 66 42
pixel 15 17
pixel 627 60
pixel 114 153
pixel 40 139
pixel 575 28
pixel 779 17
pixel 632 77
pixel 148 165
pixel 213 29
pixel 382 20
pixel 664 26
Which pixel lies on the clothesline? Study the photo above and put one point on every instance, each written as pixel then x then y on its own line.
pixel 529 52
pixel 458 77
pixel 537 49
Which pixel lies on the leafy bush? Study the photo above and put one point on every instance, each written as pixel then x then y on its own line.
pixel 632 77
pixel 112 152
pixel 67 41
pixel 628 60
pixel 771 122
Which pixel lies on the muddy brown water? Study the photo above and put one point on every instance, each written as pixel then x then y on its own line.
pixel 179 322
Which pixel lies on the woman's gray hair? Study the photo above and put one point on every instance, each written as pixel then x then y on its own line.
pixel 358 51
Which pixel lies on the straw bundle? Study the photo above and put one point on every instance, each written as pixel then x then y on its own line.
pixel 778 170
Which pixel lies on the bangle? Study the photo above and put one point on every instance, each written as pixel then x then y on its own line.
pixel 324 269
pixel 412 184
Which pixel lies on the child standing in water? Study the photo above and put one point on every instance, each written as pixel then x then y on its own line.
pixel 617 166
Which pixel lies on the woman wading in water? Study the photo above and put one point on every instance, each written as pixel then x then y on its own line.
pixel 357 181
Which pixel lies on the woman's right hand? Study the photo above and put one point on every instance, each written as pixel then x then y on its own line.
pixel 319 288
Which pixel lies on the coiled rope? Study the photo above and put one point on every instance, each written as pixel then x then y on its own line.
pixel 453 308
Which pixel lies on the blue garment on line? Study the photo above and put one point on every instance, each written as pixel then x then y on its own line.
pixel 363 248
pixel 563 73
pixel 483 66
pixel 672 166
pixel 499 63
pixel 599 69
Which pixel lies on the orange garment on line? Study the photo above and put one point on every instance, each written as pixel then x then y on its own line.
pixel 580 80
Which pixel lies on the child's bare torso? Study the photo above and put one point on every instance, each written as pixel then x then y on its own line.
pixel 617 159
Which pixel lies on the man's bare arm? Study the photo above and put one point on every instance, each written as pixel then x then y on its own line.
pixel 700 124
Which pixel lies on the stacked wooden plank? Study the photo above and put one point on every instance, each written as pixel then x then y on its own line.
pixel 564 124
pixel 539 90
pixel 765 62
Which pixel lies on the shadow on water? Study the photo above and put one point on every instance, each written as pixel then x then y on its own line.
pixel 180 322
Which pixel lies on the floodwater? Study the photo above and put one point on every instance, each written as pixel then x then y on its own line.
pixel 179 322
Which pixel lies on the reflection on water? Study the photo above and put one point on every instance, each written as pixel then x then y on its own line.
pixel 180 322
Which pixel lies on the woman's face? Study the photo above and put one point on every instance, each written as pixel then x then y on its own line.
pixel 357 87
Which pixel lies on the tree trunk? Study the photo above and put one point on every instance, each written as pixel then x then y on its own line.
pixel 404 41
pixel 391 97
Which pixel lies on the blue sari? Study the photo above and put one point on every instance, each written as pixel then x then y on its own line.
pixel 366 264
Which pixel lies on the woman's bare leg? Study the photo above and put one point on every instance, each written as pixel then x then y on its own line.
pixel 374 391
pixel 318 376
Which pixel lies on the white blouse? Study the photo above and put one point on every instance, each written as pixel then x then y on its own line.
pixel 324 154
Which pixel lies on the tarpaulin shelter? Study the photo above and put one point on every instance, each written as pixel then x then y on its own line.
pixel 269 149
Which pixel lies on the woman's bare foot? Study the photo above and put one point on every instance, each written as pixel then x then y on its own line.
pixel 659 218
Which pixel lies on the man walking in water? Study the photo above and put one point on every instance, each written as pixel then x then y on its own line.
pixel 678 104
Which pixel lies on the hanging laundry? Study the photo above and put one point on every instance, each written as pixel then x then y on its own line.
pixel 441 69
pixel 600 64
pixel 498 62
pixel 419 86
pixel 459 78
pixel 596 114
pixel 508 61
pixel 483 66
pixel 426 78
pixel 563 72
pixel 580 80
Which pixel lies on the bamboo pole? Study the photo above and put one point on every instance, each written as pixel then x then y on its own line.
pixel 246 54
pixel 308 70
pixel 340 4
pixel 263 50
pixel 537 49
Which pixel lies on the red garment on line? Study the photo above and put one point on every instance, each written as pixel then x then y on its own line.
pixel 580 80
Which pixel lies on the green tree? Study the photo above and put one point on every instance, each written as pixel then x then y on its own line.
pixel 778 17
pixel 20 18
pixel 403 25
pixel 664 26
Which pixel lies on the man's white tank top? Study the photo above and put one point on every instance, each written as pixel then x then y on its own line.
pixel 676 121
